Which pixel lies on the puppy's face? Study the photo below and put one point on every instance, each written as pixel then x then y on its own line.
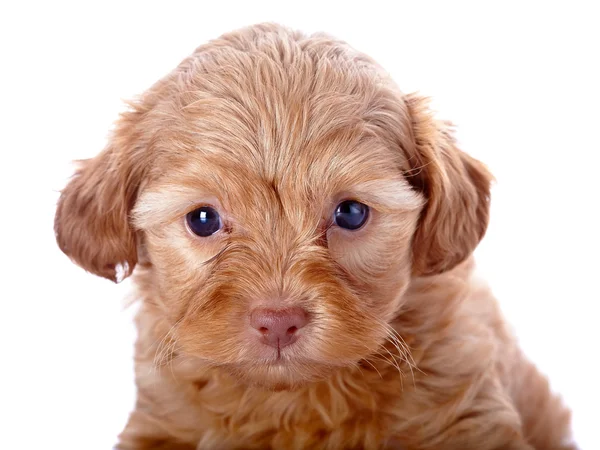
pixel 281 194
pixel 281 262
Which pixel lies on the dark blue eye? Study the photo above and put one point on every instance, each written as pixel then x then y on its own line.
pixel 351 215
pixel 204 221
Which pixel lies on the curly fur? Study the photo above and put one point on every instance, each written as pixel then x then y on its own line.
pixel 404 348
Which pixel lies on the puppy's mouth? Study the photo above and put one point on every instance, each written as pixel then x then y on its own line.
pixel 277 354
pixel 280 373
pixel 278 367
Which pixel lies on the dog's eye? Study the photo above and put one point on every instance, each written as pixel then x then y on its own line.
pixel 204 221
pixel 351 215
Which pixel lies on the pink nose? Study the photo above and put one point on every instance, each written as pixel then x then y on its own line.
pixel 278 327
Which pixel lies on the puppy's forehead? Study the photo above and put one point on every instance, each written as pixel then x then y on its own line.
pixel 308 124
pixel 295 153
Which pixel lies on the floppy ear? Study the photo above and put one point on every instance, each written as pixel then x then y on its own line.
pixel 457 189
pixel 92 221
pixel 92 218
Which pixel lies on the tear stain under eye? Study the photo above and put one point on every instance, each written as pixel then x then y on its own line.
pixel 321 236
pixel 200 384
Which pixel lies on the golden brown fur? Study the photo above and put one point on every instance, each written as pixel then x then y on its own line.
pixel 404 348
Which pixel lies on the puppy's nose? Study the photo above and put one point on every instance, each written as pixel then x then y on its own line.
pixel 278 327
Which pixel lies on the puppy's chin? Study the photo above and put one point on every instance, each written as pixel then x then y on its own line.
pixel 284 376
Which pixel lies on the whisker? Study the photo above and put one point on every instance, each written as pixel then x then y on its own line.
pixel 373 366
pixel 397 340
pixel 397 366
pixel 404 351
pixel 165 349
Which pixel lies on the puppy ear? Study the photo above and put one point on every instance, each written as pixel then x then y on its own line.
pixel 92 218
pixel 457 189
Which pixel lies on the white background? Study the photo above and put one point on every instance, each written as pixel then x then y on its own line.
pixel 521 81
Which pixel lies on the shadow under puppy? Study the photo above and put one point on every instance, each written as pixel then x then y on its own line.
pixel 301 233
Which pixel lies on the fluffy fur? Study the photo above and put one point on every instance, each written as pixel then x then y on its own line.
pixel 404 348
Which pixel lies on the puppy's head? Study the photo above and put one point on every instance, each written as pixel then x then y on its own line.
pixel 281 193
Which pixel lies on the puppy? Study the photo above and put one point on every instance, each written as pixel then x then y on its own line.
pixel 301 233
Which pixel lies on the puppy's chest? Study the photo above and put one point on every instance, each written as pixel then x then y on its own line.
pixel 336 414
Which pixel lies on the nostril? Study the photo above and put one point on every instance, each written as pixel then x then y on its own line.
pixel 278 327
